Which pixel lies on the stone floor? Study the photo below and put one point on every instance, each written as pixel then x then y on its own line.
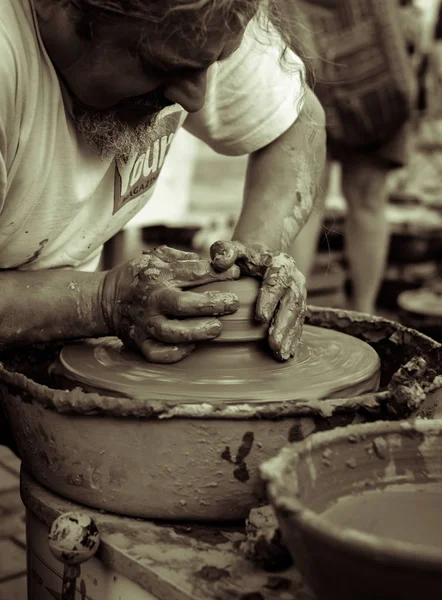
pixel 12 530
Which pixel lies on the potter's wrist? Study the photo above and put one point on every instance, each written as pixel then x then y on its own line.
pixel 97 307
pixel 107 302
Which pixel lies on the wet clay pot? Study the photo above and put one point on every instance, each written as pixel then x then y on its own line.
pixel 153 457
pixel 359 509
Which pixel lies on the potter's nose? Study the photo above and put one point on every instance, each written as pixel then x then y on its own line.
pixel 188 91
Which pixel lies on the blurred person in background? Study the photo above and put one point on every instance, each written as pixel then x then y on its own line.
pixel 366 81
pixel 421 180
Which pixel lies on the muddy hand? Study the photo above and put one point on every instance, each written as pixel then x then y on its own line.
pixel 146 302
pixel 282 299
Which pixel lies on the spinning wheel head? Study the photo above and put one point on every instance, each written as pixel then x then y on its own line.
pixel 328 363
pixel 241 325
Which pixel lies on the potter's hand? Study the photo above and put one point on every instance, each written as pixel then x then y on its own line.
pixel 145 306
pixel 282 298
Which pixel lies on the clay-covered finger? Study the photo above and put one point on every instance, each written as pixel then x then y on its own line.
pixel 185 273
pixel 293 337
pixel 280 276
pixel 295 322
pixel 253 259
pixel 272 289
pixel 198 272
pixel 173 302
pixel 159 352
pixel 297 337
pixel 286 327
pixel 168 254
pixel 155 351
pixel 224 254
pixel 180 331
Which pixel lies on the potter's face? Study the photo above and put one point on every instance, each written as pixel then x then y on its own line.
pixel 122 75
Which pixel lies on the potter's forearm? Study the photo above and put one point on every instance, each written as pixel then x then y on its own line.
pixel 282 180
pixel 44 306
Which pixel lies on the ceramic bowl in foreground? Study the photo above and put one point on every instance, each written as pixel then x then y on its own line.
pixel 360 509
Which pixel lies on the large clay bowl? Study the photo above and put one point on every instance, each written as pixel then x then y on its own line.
pixel 359 508
pixel 154 458
pixel 173 468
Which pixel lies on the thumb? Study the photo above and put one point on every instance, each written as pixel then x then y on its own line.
pixel 223 255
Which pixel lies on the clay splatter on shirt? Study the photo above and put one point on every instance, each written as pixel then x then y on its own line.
pixel 39 250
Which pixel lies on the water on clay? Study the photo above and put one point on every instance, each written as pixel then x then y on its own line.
pixel 405 512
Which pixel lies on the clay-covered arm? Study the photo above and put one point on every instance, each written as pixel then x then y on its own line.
pixel 281 185
pixel 282 179
pixel 146 302
pixel 42 306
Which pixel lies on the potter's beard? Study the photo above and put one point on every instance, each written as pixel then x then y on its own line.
pixel 115 136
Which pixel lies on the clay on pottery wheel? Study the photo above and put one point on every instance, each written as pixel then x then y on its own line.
pixel 241 325
pixel 328 364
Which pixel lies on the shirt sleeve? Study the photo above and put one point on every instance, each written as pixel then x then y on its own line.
pixel 252 97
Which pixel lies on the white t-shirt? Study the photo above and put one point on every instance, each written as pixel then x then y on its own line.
pixel 59 202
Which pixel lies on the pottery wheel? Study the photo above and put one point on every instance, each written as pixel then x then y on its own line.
pixel 329 364
pixel 237 367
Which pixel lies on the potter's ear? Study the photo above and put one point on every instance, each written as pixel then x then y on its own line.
pixel 47 8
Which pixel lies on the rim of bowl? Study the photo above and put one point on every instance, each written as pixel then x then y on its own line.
pixel 273 473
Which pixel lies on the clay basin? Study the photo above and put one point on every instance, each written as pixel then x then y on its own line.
pixel 360 509
pixel 155 457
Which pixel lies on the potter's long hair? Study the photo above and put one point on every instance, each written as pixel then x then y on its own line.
pixel 189 18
